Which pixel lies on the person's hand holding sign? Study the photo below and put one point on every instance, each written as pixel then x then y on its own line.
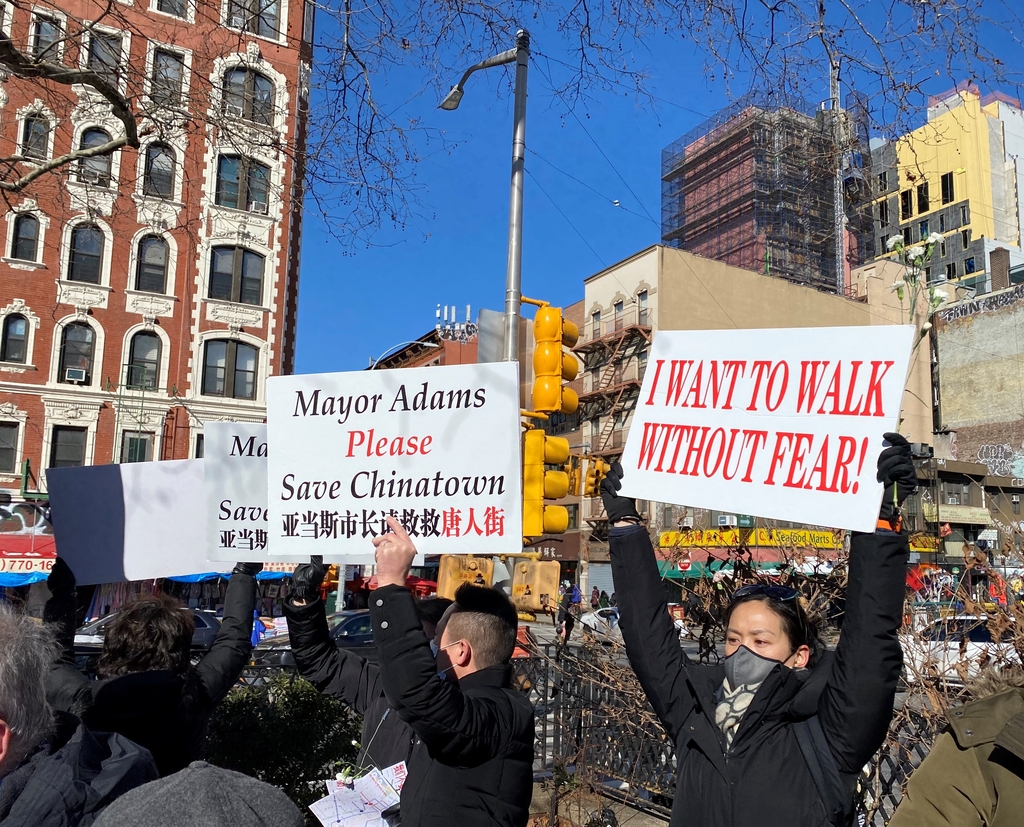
pixel 394 555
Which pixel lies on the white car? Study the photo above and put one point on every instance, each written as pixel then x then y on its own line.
pixel 603 624
pixel 956 649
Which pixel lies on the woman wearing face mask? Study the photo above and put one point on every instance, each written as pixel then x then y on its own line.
pixel 777 733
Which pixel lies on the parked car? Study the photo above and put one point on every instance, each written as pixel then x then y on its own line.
pixel 956 649
pixel 349 630
pixel 207 624
pixel 603 624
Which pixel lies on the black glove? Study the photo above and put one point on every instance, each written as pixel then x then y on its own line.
pixel 252 569
pixel 896 471
pixel 307 578
pixel 61 581
pixel 618 508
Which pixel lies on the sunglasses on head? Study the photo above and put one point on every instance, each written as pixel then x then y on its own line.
pixel 774 592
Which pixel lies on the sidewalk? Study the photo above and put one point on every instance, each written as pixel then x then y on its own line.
pixel 582 808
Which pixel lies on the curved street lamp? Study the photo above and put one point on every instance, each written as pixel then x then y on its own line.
pixel 388 352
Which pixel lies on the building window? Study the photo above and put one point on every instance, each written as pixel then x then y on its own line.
pixel 86 254
pixel 1015 503
pixel 175 7
pixel 262 17
pixel 200 446
pixel 94 170
pixel 883 181
pixel 942 248
pixel 136 446
pixel 151 272
pixel 8 446
pixel 908 239
pixel 144 361
pixel 923 230
pixel 965 239
pixel 105 56
pixel 942 222
pixel 641 302
pixel 242 183
pixel 236 275
pixel 969 266
pixel 248 95
pixel 963 215
pixel 168 74
pixel 25 245
pixel 906 205
pixel 951 270
pixel 947 188
pixel 158 173
pixel 14 344
pixel 229 369
pixel 595 324
pixel 45 37
pixel 35 137
pixel 922 197
pixel 927 275
pixel 883 213
pixel 76 350
pixel 67 449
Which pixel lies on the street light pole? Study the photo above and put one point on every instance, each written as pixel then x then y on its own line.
pixel 514 266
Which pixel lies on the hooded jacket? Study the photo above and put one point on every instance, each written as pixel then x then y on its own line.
pixel 473 765
pixel 163 711
pixel 974 774
pixel 763 780
pixel 386 738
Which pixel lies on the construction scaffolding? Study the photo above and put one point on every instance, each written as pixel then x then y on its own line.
pixel 754 187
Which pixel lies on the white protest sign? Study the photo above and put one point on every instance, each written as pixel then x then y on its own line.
pixel 438 448
pixel 784 424
pixel 235 468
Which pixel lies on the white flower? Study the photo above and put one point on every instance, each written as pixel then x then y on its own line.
pixel 934 238
pixel 893 241
pixel 926 327
pixel 940 296
pixel 915 252
pixel 896 285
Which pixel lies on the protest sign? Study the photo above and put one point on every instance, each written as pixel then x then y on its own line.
pixel 784 424
pixel 235 481
pixel 438 448
pixel 134 521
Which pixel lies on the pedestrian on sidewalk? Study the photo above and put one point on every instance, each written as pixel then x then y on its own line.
pixel 776 734
pixel 595 597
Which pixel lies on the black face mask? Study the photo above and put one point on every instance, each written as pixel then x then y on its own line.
pixel 745 667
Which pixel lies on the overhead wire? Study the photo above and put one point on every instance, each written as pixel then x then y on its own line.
pixel 567 220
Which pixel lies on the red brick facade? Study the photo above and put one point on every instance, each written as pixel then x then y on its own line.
pixel 224 244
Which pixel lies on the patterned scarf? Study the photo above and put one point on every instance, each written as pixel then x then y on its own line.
pixel 732 706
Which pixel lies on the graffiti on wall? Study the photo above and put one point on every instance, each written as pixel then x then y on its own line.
pixel 1002 460
pixel 26 538
pixel 962 310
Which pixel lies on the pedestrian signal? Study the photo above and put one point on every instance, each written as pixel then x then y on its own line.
pixel 551 365
pixel 539 484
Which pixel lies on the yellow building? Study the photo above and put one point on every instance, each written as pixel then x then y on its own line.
pixel 959 176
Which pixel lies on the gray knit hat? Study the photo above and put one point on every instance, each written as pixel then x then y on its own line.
pixel 202 795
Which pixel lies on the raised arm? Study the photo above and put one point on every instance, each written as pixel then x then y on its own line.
pixel 652 641
pixel 67 689
pixel 219 669
pixel 856 705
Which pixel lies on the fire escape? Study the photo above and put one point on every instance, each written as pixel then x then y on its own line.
pixel 613 352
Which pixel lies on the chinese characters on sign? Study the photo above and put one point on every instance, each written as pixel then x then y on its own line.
pixel 330 525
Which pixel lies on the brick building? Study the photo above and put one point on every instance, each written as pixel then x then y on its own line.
pixel 146 291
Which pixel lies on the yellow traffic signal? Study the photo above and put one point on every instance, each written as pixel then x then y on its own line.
pixel 551 364
pixel 596 471
pixel 539 450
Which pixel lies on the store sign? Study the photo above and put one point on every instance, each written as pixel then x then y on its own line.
pixel 962 514
pixel 437 448
pixel 565 547
pixel 756 538
pixel 786 424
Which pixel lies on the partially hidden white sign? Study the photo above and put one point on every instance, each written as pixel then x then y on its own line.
pixel 235 474
pixel 782 423
pixel 438 448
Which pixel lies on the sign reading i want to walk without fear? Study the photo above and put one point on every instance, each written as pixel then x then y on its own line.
pixel 785 424
pixel 437 448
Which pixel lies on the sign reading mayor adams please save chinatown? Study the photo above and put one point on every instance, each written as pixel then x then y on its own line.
pixel 437 448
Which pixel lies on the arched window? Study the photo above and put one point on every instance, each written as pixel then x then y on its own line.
pixel 14 346
pixel 151 273
pixel 86 254
pixel 143 361
pixel 236 275
pixel 229 369
pixel 35 137
pixel 242 183
pixel 158 174
pixel 249 95
pixel 25 245
pixel 94 170
pixel 76 353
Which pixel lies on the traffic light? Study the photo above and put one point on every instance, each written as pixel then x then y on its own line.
pixel 551 364
pixel 539 484
pixel 596 470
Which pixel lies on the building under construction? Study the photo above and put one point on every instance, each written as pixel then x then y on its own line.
pixel 754 187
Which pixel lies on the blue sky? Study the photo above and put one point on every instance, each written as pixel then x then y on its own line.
pixel 354 304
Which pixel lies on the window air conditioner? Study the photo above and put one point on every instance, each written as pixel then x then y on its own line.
pixel 726 520
pixel 236 21
pixel 233 109
pixel 952 500
pixel 74 375
pixel 258 207
pixel 88 176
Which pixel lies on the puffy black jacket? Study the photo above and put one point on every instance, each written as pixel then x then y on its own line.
pixel 764 780
pixel 165 712
pixel 70 780
pixel 387 739
pixel 474 763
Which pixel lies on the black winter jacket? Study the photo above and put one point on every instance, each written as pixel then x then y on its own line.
pixel 763 780
pixel 387 739
pixel 165 712
pixel 474 763
pixel 71 779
